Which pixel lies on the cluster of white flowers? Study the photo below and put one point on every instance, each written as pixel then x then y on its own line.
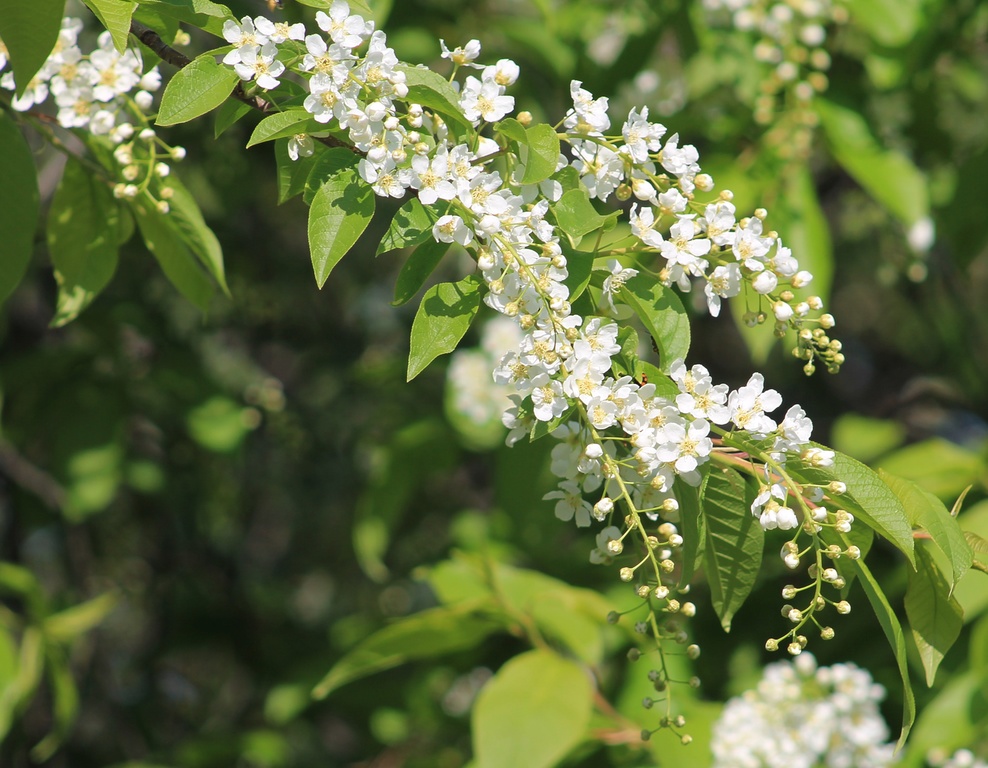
pixel 792 34
pixel 107 94
pixel 803 716
pixel 628 441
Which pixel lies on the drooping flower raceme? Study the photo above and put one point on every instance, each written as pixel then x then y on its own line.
pixel 636 446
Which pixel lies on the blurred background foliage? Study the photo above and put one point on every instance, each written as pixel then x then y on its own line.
pixel 200 515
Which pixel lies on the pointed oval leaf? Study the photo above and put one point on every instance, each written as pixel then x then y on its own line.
pixel 444 316
pixel 692 524
pixel 82 232
pixel 195 90
pixel 868 498
pixel 411 225
pixel 533 712
pixel 340 212
pixel 927 512
pixel 29 30
pixel 431 633
pixel 283 125
pixel 417 268
pixel 893 633
pixel 115 16
pixel 432 90
pixel 662 314
pixel 177 262
pixel 576 215
pixel 187 219
pixel 935 618
pixel 887 175
pixel 732 554
pixel 540 160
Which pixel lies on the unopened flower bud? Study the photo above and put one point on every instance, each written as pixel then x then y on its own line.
pixel 771 644
pixel 794 649
pixel 693 651
pixel 627 574
pixel 827 633
pixel 673 606
pixel 688 610
pixel 843 607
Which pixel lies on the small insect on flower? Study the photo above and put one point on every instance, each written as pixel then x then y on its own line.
pixel 274 5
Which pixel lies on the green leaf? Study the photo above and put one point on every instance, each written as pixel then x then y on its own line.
pixel 534 712
pixel 538 148
pixel 806 230
pixel 443 317
pixel 339 214
pixel 204 14
pixel 330 163
pixel 65 705
pixel 115 15
pixel 692 525
pixel 29 30
pixel 228 113
pixel 18 204
pixel 576 215
pixel 893 633
pixel 935 617
pixel 890 23
pixel 411 225
pixel 195 90
pixel 662 314
pixel 66 626
pixel 425 635
pixel 542 153
pixel 734 543
pixel 416 270
pixel 868 498
pixel 83 224
pixel 167 246
pixel 579 265
pixel 432 90
pixel 293 174
pixel 936 465
pixel 512 129
pixel 186 218
pixel 926 512
pixel 887 175
pixel 283 125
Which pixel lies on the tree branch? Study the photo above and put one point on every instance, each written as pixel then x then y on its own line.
pixel 177 59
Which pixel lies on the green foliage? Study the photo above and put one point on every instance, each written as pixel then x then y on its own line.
pixel 443 318
pixel 732 552
pixel 115 15
pixel 338 215
pixel 240 485
pixel 84 222
pixel 18 205
pixel 534 711
pixel 196 89
pixel 29 32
